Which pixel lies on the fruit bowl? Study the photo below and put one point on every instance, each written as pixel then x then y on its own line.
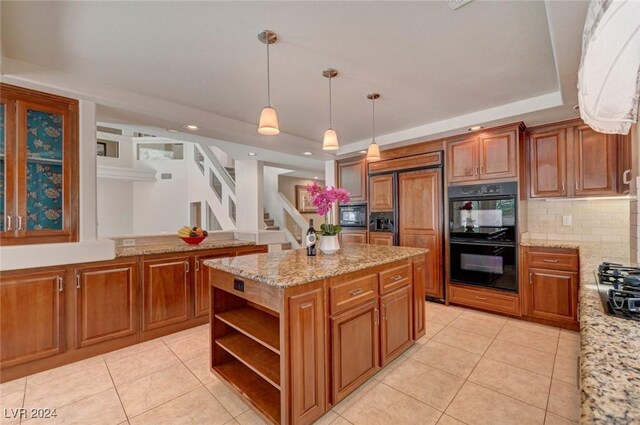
pixel 195 240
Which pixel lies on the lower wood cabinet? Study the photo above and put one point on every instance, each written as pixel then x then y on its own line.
pixel 549 285
pixel 31 316
pixel 106 302
pixel 355 342
pixel 419 291
pixel 201 293
pixel 353 236
pixel 165 292
pixel 381 238
pixel 485 299
pixel 395 325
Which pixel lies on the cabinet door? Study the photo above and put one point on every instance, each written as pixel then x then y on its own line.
pixel 352 176
pixel 595 160
pixel 498 156
pixel 381 238
pixel 44 176
pixel 381 193
pixel 420 221
pixel 625 163
pixel 462 160
pixel 353 236
pixel 395 325
pixel 31 317
pixel 308 390
pixel 202 294
pixel 552 295
pixel 165 292
pixel 106 303
pixel 419 291
pixel 8 218
pixel 354 341
pixel 547 163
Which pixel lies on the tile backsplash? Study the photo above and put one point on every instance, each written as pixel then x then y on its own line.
pixel 606 220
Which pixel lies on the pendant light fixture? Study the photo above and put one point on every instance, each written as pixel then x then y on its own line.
pixel 373 152
pixel 268 118
pixel 330 141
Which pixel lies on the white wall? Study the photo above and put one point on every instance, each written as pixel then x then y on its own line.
pixel 115 207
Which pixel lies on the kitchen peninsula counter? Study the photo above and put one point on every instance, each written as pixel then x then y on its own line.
pixel 609 360
pixel 178 246
pixel 294 335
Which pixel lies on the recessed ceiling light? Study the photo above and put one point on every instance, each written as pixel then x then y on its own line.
pixel 363 151
pixel 251 154
pixel 475 127
pixel 191 127
pixel 171 130
pixel 307 153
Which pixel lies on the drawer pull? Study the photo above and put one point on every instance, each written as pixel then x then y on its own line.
pixel 397 277
pixel 531 278
pixel 481 298
pixel 356 292
pixel 547 260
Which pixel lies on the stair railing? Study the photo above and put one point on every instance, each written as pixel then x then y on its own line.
pixel 227 197
pixel 295 225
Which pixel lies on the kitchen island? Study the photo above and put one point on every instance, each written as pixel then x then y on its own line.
pixel 293 335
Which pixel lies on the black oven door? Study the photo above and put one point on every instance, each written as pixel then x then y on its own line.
pixel 352 216
pixel 486 264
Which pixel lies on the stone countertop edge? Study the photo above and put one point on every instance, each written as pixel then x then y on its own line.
pixel 290 268
pixel 610 346
pixel 178 246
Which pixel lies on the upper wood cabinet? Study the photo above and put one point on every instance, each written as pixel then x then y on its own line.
pixel 547 163
pixel 485 156
pixel 31 316
pixel 381 191
pixel 38 167
pixel 352 175
pixel 570 159
pixel 595 162
pixel 106 302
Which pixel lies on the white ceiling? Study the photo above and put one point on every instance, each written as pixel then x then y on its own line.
pixel 165 63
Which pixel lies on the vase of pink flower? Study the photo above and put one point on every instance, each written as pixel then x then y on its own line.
pixel 324 199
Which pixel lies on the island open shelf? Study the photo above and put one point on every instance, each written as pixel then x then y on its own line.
pixel 282 324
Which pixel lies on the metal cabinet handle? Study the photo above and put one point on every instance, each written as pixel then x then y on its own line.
pixel 9 223
pixel 531 278
pixel 626 180
pixel 186 266
pixel 547 260
pixel 397 277
pixel 482 169
pixel 197 265
pixel 576 186
pixel 477 170
pixel 481 298
pixel 384 312
pixel 77 280
pixel 563 186
pixel 356 292
pixel 19 223
pixel 376 319
pixel 60 285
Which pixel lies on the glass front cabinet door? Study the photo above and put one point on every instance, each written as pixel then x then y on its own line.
pixel 39 167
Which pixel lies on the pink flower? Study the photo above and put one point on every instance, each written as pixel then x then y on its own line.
pixel 323 198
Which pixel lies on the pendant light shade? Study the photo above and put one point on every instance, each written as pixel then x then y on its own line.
pixel 268 124
pixel 330 141
pixel 373 152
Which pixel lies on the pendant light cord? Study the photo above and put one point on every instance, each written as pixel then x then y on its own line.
pixel 373 106
pixel 330 122
pixel 268 78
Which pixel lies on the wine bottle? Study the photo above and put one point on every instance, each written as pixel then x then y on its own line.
pixel 311 240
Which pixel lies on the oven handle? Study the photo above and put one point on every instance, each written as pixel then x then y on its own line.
pixel 482 243
pixel 482 198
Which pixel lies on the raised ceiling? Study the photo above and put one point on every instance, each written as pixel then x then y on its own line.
pixel 429 62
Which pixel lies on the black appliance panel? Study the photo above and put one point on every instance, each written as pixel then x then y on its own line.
pixel 352 216
pixel 382 222
pixel 487 264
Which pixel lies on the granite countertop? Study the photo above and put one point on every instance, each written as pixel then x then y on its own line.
pixel 293 267
pixel 610 346
pixel 178 246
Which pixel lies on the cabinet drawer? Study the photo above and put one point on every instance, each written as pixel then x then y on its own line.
pixel 261 294
pixel 488 300
pixel 567 260
pixel 347 293
pixel 395 278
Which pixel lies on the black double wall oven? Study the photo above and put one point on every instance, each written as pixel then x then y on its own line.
pixel 482 235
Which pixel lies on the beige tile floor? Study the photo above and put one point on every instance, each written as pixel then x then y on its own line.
pixel 471 368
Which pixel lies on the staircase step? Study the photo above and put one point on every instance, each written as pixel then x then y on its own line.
pixel 269 221
pixel 286 246
pixel 267 216
pixel 273 227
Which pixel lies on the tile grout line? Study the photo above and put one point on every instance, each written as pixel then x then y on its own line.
pixel 24 397
pixel 126 415
pixel 553 369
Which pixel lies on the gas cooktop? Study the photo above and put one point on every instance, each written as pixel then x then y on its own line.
pixel 619 288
